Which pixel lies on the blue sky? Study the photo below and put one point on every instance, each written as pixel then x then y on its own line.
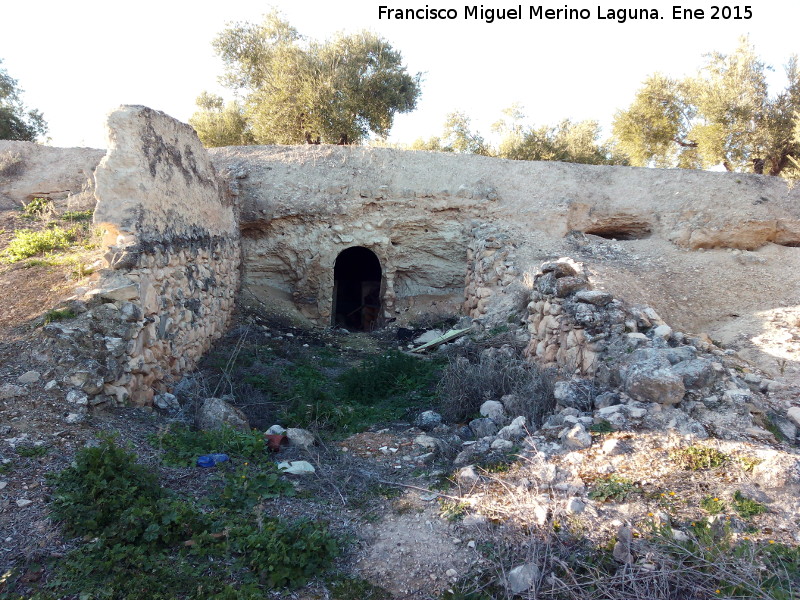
pixel 78 60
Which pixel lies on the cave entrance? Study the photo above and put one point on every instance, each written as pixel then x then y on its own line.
pixel 356 289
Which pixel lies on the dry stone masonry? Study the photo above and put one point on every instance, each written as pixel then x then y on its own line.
pixel 173 259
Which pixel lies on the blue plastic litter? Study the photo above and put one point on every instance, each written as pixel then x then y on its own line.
pixel 209 460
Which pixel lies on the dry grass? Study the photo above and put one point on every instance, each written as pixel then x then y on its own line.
pixel 467 383
pixel 11 164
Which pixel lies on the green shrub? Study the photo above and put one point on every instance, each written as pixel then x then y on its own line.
pixel 247 486
pixel 150 544
pixel 712 505
pixel 30 451
pixel 602 426
pixel 391 374
pixel 37 207
pixel 105 493
pixel 27 243
pixel 59 315
pixel 78 215
pixel 182 445
pixel 285 555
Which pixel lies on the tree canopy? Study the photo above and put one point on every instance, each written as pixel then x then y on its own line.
pixel 723 115
pixel 567 141
pixel 220 124
pixel 16 121
pixel 304 91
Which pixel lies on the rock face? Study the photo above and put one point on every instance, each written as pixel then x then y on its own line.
pixel 430 219
pixel 63 175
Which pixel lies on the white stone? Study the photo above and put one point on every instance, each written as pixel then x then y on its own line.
pixel 678 535
pixel 23 502
pixel 574 506
pixel 300 437
pixel 9 390
pixel 523 578
pixel 275 430
pixel 613 447
pixel 577 437
pixel 794 415
pixel 29 377
pixel 515 431
pixel 467 475
pixel 662 331
pixel 77 397
pixel 74 418
pixel 426 441
pixel 493 410
pixel 297 467
pixel 502 445
pixel 166 401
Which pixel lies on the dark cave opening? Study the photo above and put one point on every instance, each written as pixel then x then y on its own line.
pixel 357 289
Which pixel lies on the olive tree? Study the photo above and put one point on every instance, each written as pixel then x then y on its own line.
pixel 723 115
pixel 16 121
pixel 296 90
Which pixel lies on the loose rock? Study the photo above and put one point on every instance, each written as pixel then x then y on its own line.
pixel 214 413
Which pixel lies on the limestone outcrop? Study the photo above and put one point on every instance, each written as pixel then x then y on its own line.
pixel 64 175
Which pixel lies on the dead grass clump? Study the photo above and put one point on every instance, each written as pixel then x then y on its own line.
pixel 568 565
pixel 11 164
pixel 494 373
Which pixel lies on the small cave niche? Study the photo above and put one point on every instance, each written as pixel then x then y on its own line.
pixel 620 228
pixel 357 289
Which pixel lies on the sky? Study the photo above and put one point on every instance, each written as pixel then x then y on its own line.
pixel 78 60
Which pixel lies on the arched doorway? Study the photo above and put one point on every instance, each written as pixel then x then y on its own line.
pixel 356 289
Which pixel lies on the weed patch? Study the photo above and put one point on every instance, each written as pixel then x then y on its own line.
pixel 37 208
pixel 602 426
pixel 746 507
pixel 712 505
pixel 77 215
pixel 27 243
pixel 59 315
pixel 32 451
pixel 466 384
pixel 452 510
pixel 148 543
pixel 612 488
pixel 247 486
pixel 182 445
pixel 382 377
pixel 699 458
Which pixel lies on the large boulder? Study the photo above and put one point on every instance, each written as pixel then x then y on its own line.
pixel 216 413
pixel 649 382
pixel 696 373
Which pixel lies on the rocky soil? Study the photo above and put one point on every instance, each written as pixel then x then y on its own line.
pixel 423 500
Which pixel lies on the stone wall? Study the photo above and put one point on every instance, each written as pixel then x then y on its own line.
pixel 493 281
pixel 173 252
